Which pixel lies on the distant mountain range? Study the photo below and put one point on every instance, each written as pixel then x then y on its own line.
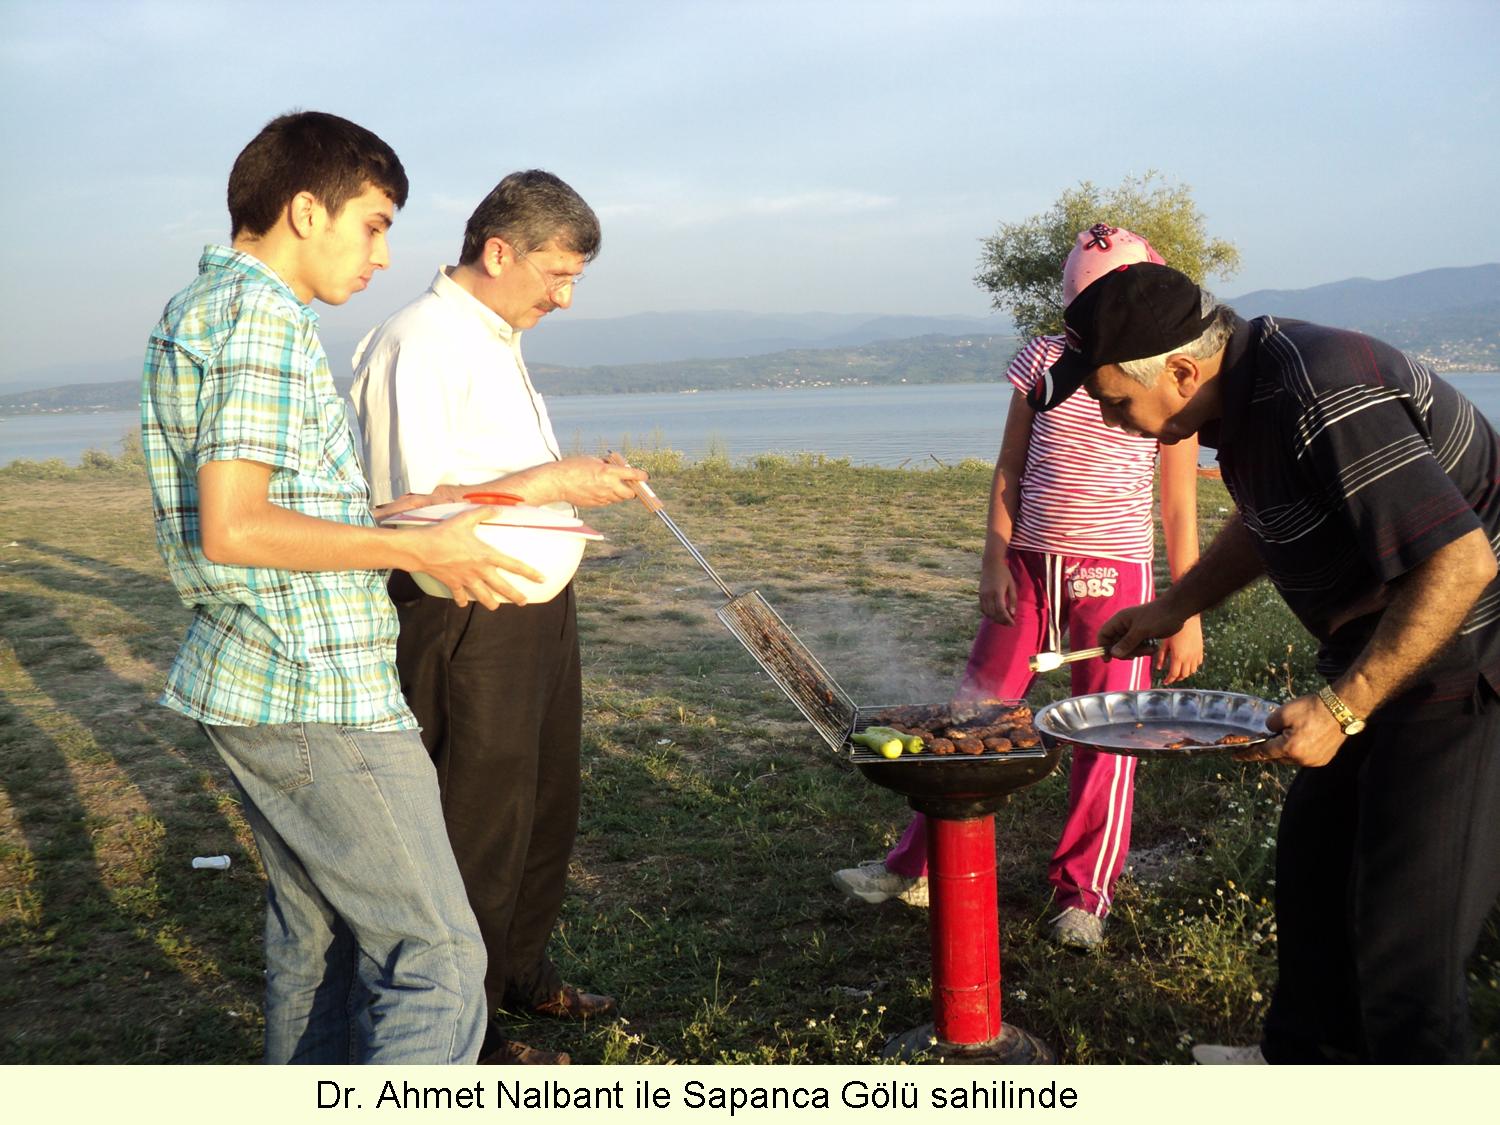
pixel 925 359
pixel 628 340
pixel 1448 317
pixel 1359 300
pixel 667 337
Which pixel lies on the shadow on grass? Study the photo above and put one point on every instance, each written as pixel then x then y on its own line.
pixel 129 954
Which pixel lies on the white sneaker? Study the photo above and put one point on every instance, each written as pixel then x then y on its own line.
pixel 871 882
pixel 1213 1054
pixel 1078 929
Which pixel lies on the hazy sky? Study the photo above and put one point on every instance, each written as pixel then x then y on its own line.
pixel 756 155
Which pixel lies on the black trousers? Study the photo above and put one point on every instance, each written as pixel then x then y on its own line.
pixel 1388 863
pixel 499 697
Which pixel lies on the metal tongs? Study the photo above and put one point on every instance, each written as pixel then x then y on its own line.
pixel 1051 661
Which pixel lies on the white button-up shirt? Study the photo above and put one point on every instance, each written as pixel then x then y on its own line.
pixel 443 397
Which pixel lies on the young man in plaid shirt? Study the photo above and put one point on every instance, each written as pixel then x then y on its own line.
pixel 264 520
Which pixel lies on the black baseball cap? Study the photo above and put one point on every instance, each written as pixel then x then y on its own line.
pixel 1137 311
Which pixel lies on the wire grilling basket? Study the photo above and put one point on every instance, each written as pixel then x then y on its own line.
pixel 766 637
pixel 793 668
pixel 788 662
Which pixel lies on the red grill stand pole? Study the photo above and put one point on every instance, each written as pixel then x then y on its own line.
pixel 965 930
pixel 959 799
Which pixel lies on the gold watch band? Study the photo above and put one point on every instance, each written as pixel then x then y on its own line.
pixel 1348 721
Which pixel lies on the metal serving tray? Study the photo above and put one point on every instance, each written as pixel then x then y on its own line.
pixel 1145 723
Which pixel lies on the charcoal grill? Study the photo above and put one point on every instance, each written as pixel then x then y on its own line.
pixel 958 793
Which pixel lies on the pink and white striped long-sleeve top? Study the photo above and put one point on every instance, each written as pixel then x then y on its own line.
pixel 1086 489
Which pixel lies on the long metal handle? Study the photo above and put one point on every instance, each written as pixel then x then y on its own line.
pixel 1082 654
pixel 644 494
pixel 1047 661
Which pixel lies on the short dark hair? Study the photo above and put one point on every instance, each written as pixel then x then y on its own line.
pixel 529 210
pixel 330 157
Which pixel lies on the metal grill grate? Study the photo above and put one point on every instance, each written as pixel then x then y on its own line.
pixel 860 754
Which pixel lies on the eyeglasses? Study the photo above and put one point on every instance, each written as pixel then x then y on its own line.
pixel 555 282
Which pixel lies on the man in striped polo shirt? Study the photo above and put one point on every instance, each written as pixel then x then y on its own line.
pixel 264 520
pixel 1368 491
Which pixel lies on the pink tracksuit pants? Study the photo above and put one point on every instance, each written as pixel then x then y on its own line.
pixel 1057 594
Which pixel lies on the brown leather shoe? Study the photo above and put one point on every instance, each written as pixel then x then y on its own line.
pixel 511 1053
pixel 570 1004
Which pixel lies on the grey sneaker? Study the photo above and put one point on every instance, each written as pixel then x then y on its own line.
pixel 871 882
pixel 1078 929
pixel 1212 1054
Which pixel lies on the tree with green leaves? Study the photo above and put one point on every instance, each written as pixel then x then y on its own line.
pixel 1021 263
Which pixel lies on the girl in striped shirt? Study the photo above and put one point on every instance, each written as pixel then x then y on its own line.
pixel 1069 542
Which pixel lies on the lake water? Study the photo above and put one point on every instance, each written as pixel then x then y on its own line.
pixel 914 426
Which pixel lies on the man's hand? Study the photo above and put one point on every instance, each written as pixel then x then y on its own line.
pixel 588 482
pixel 1308 735
pixel 584 482
pixel 1181 654
pixel 453 554
pixel 997 593
pixel 1123 634
pixel 239 526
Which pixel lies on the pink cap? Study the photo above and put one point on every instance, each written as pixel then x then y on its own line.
pixel 1099 250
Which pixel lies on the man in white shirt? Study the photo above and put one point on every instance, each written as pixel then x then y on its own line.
pixel 446 406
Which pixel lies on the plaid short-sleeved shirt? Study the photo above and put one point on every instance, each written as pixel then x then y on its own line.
pixel 234 371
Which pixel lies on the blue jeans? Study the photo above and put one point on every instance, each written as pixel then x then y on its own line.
pixel 372 952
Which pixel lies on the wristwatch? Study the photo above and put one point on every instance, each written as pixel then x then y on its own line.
pixel 1347 720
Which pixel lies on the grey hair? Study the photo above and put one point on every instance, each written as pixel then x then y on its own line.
pixel 1214 337
pixel 528 210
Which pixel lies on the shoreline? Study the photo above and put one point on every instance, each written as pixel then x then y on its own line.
pixel 888 425
pixel 560 393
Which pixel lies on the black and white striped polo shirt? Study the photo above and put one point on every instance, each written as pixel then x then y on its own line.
pixel 1350 464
